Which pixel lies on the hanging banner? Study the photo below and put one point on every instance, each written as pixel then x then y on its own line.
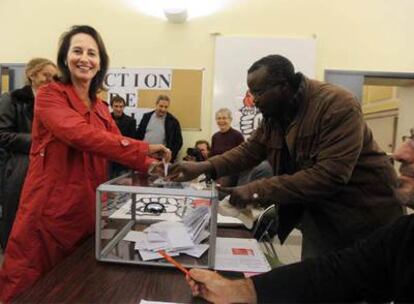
pixel 140 88
pixel 127 82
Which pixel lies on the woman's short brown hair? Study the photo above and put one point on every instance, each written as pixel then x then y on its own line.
pixel 97 81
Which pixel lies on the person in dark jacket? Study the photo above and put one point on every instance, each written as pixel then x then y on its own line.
pixel 16 116
pixel 331 179
pixel 126 124
pixel 161 127
pixel 377 269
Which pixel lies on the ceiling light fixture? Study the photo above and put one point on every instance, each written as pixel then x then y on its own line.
pixel 176 15
pixel 178 11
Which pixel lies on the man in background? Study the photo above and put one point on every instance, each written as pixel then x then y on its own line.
pixel 126 125
pixel 200 152
pixel 161 127
pixel 204 147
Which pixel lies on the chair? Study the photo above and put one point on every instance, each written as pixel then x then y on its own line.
pixel 266 228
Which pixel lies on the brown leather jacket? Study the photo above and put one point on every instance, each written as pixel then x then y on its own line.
pixel 340 176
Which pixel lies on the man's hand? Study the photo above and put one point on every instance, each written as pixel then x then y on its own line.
pixel 160 152
pixel 239 196
pixel 216 289
pixel 185 171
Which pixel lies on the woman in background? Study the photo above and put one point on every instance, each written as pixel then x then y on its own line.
pixel 226 138
pixel 73 137
pixel 16 117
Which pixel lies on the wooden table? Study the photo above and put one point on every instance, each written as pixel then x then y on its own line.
pixel 81 279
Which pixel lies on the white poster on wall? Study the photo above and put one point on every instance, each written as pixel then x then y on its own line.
pixel 234 56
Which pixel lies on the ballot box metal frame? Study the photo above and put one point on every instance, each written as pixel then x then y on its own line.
pixel 109 250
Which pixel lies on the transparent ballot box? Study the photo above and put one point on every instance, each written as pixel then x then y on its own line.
pixel 138 215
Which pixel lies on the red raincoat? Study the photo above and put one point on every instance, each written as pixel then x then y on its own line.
pixel 68 160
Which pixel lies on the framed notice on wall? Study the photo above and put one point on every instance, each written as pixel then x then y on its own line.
pixel 141 86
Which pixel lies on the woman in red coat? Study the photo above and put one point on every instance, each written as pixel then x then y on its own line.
pixel 73 136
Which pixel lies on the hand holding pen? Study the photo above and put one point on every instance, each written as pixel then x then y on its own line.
pixel 213 287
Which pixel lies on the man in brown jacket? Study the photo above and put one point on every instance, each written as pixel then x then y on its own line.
pixel 330 177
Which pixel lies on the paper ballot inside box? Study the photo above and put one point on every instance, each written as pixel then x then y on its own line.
pixel 174 237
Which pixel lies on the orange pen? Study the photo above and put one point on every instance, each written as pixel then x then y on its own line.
pixel 174 262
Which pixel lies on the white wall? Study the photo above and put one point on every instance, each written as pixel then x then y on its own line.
pixel 352 34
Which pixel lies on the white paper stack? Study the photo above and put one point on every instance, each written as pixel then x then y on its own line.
pixel 174 237
pixel 244 255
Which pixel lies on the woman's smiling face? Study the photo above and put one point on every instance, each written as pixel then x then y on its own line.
pixel 83 58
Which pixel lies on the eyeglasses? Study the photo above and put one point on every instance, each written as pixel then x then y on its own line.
pixel 258 93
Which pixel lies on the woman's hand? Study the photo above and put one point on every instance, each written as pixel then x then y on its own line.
pixel 160 152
